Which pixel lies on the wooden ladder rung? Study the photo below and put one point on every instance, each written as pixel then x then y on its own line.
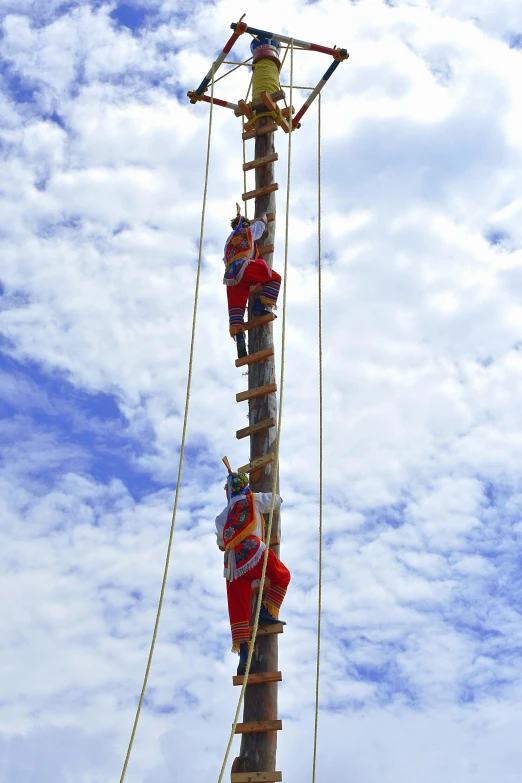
pixel 261 425
pixel 256 726
pixel 245 110
pixel 261 321
pixel 259 391
pixel 260 191
pixel 268 630
pixel 255 357
pixel 258 104
pixel 257 679
pixel 258 462
pixel 265 249
pixel 270 104
pixel 260 131
pixel 254 164
pixel 254 777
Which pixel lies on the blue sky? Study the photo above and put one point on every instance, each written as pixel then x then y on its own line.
pixel 103 166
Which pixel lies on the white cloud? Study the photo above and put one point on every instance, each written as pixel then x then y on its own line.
pixel 99 221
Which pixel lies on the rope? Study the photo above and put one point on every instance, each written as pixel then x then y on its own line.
pixel 181 452
pixel 266 77
pixel 320 563
pixel 278 438
pixel 231 62
pixel 244 149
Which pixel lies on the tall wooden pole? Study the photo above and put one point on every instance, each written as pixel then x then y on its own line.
pixel 258 751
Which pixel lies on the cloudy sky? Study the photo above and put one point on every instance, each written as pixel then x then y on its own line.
pixel 100 207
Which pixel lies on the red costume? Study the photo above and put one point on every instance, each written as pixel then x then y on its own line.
pixel 239 530
pixel 245 269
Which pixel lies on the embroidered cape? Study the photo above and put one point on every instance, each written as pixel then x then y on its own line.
pixel 238 253
pixel 241 536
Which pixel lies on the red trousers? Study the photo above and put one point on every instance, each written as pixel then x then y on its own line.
pixel 256 272
pixel 239 593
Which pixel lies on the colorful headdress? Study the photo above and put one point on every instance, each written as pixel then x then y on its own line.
pixel 236 483
pixel 241 221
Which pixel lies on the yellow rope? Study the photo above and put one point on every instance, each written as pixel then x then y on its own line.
pixel 266 77
pixel 320 564
pixel 181 452
pixel 278 439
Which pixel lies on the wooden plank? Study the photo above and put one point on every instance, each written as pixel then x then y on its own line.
pixel 253 164
pixel 253 777
pixel 260 191
pixel 276 96
pixel 286 111
pixel 258 104
pixel 255 357
pixel 259 725
pixel 260 130
pixel 266 630
pixel 244 109
pixel 275 540
pixel 251 394
pixel 261 425
pixel 265 249
pixel 258 462
pixel 267 100
pixel 261 321
pixel 257 679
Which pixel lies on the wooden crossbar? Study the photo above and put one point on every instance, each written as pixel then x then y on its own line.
pixel 265 249
pixel 270 104
pixel 261 321
pixel 255 357
pixel 253 164
pixel 275 540
pixel 259 391
pixel 259 725
pixel 276 96
pixel 261 425
pixel 255 777
pixel 264 191
pixel 245 110
pixel 258 462
pixel 271 127
pixel 257 679
pixel 258 104
pixel 268 630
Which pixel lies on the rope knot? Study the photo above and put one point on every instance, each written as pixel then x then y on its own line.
pixel 340 54
pixel 240 27
pixel 195 96
pixel 277 116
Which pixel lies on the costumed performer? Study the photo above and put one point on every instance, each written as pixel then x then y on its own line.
pixel 243 268
pixel 239 532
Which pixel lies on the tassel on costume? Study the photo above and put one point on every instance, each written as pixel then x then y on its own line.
pixel 272 608
pixel 270 302
pixel 235 647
